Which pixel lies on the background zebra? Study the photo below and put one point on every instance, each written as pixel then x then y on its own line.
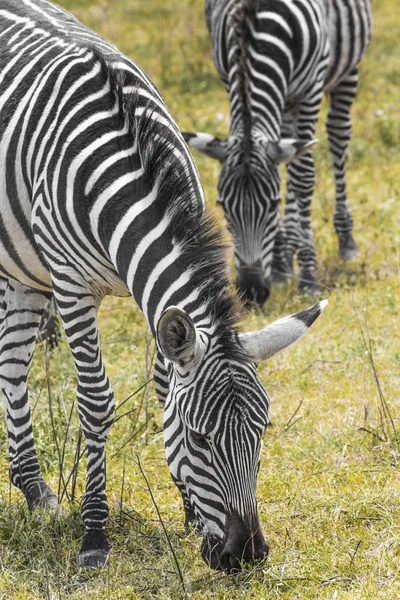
pixel 276 57
pixel 99 196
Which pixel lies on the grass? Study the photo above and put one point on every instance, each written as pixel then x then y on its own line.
pixel 329 480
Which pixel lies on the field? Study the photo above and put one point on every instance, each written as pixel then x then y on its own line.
pixel 329 483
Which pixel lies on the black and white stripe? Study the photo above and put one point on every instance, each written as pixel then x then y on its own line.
pixel 276 57
pixel 99 195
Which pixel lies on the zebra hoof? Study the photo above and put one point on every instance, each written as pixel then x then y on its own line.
pixel 308 285
pixel 95 551
pixel 93 559
pixel 348 248
pixel 349 253
pixel 39 495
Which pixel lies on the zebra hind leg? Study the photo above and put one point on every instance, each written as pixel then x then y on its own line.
pixel 23 309
pixel 338 126
pixel 49 328
pixel 78 305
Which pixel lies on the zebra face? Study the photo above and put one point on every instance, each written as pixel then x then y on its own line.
pixel 215 415
pixel 249 193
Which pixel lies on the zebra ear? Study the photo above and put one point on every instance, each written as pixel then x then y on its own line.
pixel 269 340
pixel 177 336
pixel 207 144
pixel 288 150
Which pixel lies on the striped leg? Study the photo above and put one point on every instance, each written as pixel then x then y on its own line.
pixel 286 240
pixel 300 191
pixel 291 224
pixel 78 306
pixel 301 176
pixel 338 125
pixel 49 328
pixel 282 268
pixel 21 317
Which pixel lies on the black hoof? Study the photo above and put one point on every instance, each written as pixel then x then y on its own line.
pixel 349 253
pixel 39 495
pixel 348 248
pixel 95 551
pixel 93 559
pixel 309 285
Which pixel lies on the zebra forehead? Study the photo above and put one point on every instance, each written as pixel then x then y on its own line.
pixel 249 169
pixel 236 398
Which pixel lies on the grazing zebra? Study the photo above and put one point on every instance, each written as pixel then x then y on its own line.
pixel 276 57
pixel 99 195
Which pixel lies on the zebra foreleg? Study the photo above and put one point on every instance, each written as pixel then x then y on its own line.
pixel 282 266
pixel 338 126
pixel 78 305
pixel 301 175
pixel 23 309
pixel 301 183
pixel 49 328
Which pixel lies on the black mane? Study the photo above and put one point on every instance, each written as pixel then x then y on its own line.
pixel 243 12
pixel 203 241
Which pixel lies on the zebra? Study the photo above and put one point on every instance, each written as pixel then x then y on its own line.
pixel 276 58
pixel 100 196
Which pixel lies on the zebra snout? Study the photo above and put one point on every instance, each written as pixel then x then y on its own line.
pixel 240 545
pixel 251 282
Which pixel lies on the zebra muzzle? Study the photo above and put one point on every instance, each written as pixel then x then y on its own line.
pixel 251 282
pixel 241 544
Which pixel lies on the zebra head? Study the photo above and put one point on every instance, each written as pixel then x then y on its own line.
pixel 215 415
pixel 249 192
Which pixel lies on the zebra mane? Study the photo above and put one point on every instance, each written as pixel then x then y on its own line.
pixel 203 242
pixel 243 11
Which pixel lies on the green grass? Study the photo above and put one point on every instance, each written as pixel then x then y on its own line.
pixel 329 482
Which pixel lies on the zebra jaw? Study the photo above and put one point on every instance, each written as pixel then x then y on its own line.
pixel 281 334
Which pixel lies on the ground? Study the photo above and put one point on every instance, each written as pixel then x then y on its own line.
pixel 329 481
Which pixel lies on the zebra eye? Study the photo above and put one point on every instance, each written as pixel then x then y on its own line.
pixel 201 440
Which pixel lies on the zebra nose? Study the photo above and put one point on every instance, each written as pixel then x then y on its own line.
pixel 251 282
pixel 241 545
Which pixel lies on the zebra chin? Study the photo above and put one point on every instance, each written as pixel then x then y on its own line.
pixel 239 546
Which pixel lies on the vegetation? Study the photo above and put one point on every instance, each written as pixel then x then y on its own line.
pixel 329 481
